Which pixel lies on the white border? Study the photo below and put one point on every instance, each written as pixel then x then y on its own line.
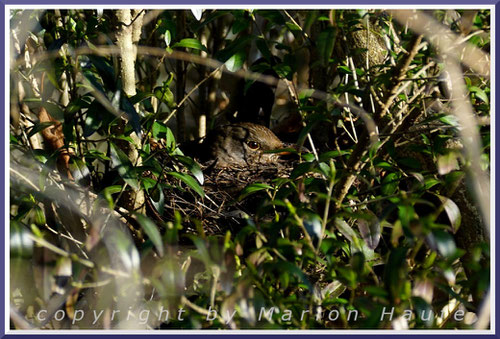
pixel 8 8
pixel 251 6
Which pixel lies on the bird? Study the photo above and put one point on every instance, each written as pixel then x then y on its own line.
pixel 241 145
pixel 231 157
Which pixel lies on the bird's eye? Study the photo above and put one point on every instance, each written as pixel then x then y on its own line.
pixel 253 145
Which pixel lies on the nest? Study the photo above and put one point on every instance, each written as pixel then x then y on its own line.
pixel 223 207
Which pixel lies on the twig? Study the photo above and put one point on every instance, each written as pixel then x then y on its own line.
pixel 195 87
pixel 399 75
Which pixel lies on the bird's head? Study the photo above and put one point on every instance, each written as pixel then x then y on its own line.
pixel 243 145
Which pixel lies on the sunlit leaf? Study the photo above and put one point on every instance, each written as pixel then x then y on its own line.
pixel 346 230
pixel 107 193
pixel 452 211
pixel 190 181
pixel 190 43
pixel 390 183
pixel 122 164
pixel 447 163
pixel 21 245
pixel 479 93
pixel 192 166
pixel 235 62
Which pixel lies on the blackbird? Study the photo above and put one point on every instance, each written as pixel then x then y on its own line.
pixel 243 145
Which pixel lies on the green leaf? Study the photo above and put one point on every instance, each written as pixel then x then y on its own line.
pixel 170 140
pixel 430 182
pixel 302 169
pixel 159 130
pixel 235 62
pixel 263 48
pixel 273 16
pixel 93 153
pixel 105 70
pixel 39 216
pixel 479 93
pixel 252 188
pixel 384 165
pixel 239 25
pixel 21 245
pixel 79 170
pixel 40 126
pixel 331 154
pixel 190 181
pixel 390 183
pixel 443 242
pixel 344 69
pixel 155 194
pixel 152 232
pixel 93 119
pixel 168 38
pixel 324 169
pixel 192 166
pixel 449 120
pixel 289 267
pixel 395 274
pixel 107 194
pixel 53 109
pixel 132 115
pixel 325 44
pixel 412 163
pixel 122 164
pixel 345 229
pixel 447 163
pixel 140 96
pixel 190 43
pixel 165 95
pixel 235 46
pixel 452 211
pixel 293 27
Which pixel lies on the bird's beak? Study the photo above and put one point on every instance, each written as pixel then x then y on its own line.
pixel 290 151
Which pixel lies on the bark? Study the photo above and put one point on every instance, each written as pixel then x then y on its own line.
pixel 129 34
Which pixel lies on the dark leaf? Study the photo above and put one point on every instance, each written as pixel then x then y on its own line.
pixel 80 171
pixel 133 117
pixel 152 232
pixel 122 164
pixel 442 242
pixel 390 183
pixel 105 70
pixel 325 43
pixel 234 47
pixel 40 126
pixel 252 188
